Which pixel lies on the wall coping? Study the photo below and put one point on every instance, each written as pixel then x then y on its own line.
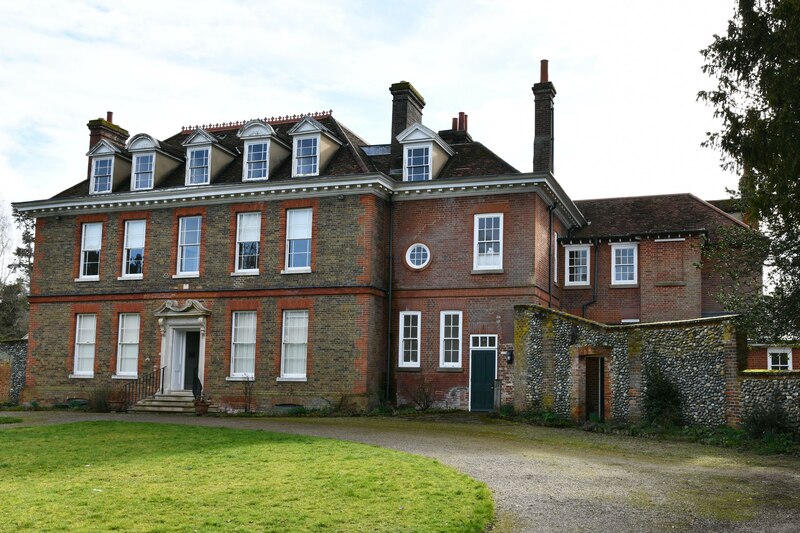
pixel 769 374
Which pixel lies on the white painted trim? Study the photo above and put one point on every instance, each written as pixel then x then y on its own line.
pixel 236 269
pixel 401 338
pixel 95 160
pixel 245 375
pixel 304 269
pixel 295 140
pixel 629 321
pixel 119 344
pixel 189 273
pixel 778 349
pixel 170 326
pixel 293 377
pixel 81 276
pixel 477 217
pixel 125 249
pixel 587 248
pixel 670 240
pixel 635 247
pixel 245 153
pixel 471 349
pixel 136 157
pixel 78 320
pixel 408 256
pixel 189 151
pixel 412 146
pixel 442 363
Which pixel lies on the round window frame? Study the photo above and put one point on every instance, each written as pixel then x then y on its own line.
pixel 408 256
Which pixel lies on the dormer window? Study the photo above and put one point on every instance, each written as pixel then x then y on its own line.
pixel 101 175
pixel 143 165
pixel 306 154
pixel 199 164
pixel 257 160
pixel 418 163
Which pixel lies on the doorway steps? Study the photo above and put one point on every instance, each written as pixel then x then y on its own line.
pixel 181 402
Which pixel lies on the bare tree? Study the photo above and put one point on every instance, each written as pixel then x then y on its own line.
pixel 6 244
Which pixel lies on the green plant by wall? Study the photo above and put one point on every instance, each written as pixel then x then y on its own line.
pixel 766 420
pixel 661 400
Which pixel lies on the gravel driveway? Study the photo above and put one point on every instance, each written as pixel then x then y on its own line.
pixel 560 480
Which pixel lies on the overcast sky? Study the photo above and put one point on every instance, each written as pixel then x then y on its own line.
pixel 627 73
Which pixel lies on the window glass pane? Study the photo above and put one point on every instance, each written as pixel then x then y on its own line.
pixel 249 227
pixel 295 339
pixel 488 241
pixel 257 161
pixel 143 171
pixel 92 236
pixel 298 222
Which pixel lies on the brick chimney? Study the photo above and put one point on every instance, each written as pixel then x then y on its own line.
pixel 543 94
pixel 407 106
pixel 458 134
pixel 106 129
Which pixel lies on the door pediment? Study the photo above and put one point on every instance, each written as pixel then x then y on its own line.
pixel 171 308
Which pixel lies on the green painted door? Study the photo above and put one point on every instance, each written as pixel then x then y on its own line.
pixel 482 380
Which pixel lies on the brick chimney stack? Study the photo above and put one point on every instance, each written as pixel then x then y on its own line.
pixel 543 94
pixel 407 106
pixel 106 129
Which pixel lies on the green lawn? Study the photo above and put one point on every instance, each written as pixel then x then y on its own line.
pixel 136 477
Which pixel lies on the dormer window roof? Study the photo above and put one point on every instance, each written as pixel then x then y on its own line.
pixel 144 150
pixel 424 153
pixel 106 158
pixel 313 147
pixel 205 156
pixel 262 150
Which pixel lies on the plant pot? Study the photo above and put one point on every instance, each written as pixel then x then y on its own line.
pixel 200 407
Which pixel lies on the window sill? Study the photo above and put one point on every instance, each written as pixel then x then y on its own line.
pixel 292 380
pixel 408 369
pixel 241 378
pixel 572 287
pixel 87 280
pixel 670 284
pixel 254 179
pixel 185 276
pixel 116 376
pixel 127 278
pixel 624 286
pixel 449 369
pixel 487 271
pixel 81 376
pixel 297 271
pixel 246 273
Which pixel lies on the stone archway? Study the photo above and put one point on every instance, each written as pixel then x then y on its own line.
pixel 600 365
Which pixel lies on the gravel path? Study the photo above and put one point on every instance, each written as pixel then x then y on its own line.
pixel 560 480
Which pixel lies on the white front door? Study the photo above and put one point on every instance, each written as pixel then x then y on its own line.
pixel 178 359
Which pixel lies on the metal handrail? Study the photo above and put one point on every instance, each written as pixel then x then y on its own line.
pixel 144 387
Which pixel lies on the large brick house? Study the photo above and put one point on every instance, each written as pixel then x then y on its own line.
pixel 291 254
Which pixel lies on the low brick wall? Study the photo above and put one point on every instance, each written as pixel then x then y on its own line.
pixel 14 354
pixel 761 387
pixel 698 356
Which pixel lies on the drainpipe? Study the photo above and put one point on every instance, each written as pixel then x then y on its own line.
pixel 550 255
pixel 594 282
pixel 389 311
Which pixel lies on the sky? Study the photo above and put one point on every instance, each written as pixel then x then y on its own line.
pixel 627 73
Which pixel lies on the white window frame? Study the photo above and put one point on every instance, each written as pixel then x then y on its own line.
pixel 624 245
pixel 182 246
pixel 411 248
pixel 237 262
pixel 475 243
pixel 443 338
pixel 778 350
pixel 236 342
pixel 152 172
pixel 568 264
pixel 428 165
pixel 189 168
pixel 121 343
pixel 246 159
pixel 83 342
pixel 93 185
pixel 402 338
pixel 84 250
pixel 126 248
pixel 299 269
pixel 296 155
pixel 295 376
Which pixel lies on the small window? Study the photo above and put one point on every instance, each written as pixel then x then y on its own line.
pixel 101 175
pixel 779 358
pixel 248 232
pixel 418 256
pixel 91 243
pixel 189 246
pixel 450 339
pixel 306 154
pixel 257 161
pixel 409 338
pixel 198 172
pixel 418 163
pixel 577 265
pixel 295 344
pixel 298 239
pixel 133 249
pixel 84 345
pixel 483 342
pixel 488 252
pixel 143 172
pixel 623 264
pixel 128 345
pixel 243 344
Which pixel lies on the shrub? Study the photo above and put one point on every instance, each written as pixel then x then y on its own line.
pixel 661 401
pixel 767 420
pixel 99 398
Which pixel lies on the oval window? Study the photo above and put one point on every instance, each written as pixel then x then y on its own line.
pixel 418 256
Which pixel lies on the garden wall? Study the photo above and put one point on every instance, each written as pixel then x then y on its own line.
pixel 13 355
pixel 764 387
pixel 558 356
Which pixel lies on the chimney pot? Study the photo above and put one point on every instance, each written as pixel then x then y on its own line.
pixel 455 123
pixel 110 116
pixel 543 92
pixel 543 72
pixel 465 121
pixel 461 120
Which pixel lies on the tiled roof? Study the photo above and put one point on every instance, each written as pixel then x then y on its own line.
pixel 642 215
